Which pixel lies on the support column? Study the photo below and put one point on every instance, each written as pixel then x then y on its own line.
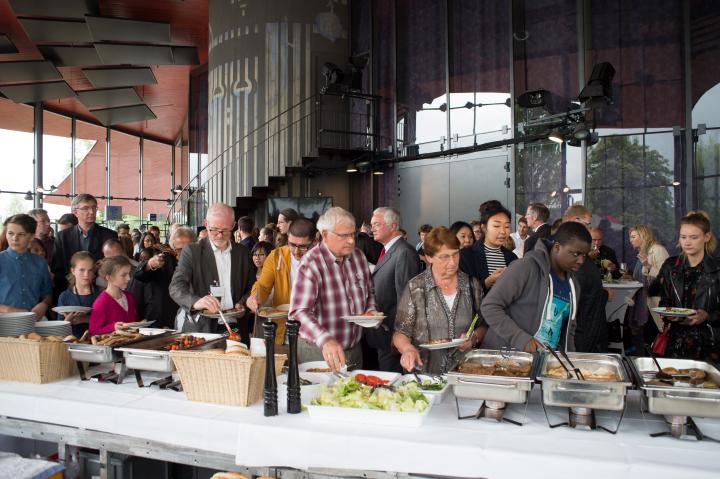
pixel 73 152
pixel 38 159
pixel 107 167
pixel 141 172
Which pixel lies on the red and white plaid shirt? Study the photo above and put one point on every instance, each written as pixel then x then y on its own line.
pixel 327 288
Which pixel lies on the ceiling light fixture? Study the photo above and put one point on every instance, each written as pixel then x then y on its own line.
pixel 378 172
pixel 676 183
pixel 566 188
pixel 351 169
pixel 556 137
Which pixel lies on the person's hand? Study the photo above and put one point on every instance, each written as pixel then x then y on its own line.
pixel 240 308
pixel 594 252
pixel 39 309
pixel 490 280
pixel 252 304
pixel 699 317
pixel 334 355
pixel 209 303
pixel 11 309
pixel 611 294
pixel 467 344
pixel 608 265
pixel 77 318
pixel 157 261
pixel 534 345
pixel 410 359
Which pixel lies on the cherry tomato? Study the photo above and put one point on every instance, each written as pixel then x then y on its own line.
pixel 361 378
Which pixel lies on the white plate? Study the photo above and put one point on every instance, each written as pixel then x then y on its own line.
pixel 153 331
pixel 72 309
pixel 674 312
pixel 51 324
pixel 139 324
pixel 364 321
pixel 450 344
pixel 27 315
pixel 319 378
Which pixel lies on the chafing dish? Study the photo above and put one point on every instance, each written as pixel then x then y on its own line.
pixel 151 355
pixel 505 389
pixel 578 393
pixel 96 353
pixel 680 399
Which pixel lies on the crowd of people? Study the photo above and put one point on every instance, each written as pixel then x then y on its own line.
pixel 536 288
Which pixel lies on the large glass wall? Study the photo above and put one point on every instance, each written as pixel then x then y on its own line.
pixel 157 161
pixel 57 162
pixel 90 159
pixel 125 176
pixel 17 150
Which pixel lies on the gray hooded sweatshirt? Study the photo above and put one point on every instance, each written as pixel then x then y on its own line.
pixel 519 300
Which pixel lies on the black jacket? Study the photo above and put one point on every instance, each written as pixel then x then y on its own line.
pixel 591 334
pixel 474 263
pixel 159 306
pixel 544 231
pixel 67 243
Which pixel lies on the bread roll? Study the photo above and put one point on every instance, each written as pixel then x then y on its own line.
pixel 228 475
pixel 34 336
pixel 238 351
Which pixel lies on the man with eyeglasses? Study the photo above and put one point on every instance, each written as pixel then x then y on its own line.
pixel 85 236
pixel 280 269
pixel 44 232
pixel 215 260
pixel 398 264
pixel 333 281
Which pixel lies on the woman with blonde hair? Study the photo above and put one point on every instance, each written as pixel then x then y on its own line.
pixel 691 280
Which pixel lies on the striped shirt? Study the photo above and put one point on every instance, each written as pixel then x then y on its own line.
pixel 495 259
pixel 327 288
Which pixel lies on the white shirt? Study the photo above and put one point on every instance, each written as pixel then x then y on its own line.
pixel 519 243
pixel 123 302
pixel 391 243
pixel 294 265
pixel 450 299
pixel 223 261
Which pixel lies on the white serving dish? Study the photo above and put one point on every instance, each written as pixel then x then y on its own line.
pixel 318 378
pixel 387 376
pixel 372 417
pixel 438 396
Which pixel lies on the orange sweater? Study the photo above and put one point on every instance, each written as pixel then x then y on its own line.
pixel 275 276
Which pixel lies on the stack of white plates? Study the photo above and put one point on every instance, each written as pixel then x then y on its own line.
pixel 53 328
pixel 16 324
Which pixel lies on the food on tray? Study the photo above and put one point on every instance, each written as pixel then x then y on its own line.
pixel 234 351
pixel 349 392
pixel 439 341
pixel 116 338
pixel 272 312
pixel 228 475
pixel 371 380
pixel 503 367
pixel 185 342
pixel 670 370
pixel 225 311
pixel 52 339
pixel 319 370
pixel 669 309
pixel 602 373
pixel 372 313
pixel 429 384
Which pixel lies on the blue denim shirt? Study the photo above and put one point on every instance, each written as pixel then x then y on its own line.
pixel 24 279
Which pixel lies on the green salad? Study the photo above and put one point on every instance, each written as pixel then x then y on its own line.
pixel 348 392
pixel 428 384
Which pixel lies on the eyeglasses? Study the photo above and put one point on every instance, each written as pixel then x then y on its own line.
pixel 444 258
pixel 86 209
pixel 299 247
pixel 345 236
pixel 218 231
pixel 258 255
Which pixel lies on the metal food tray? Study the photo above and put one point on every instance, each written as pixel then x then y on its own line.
pixel 96 353
pixel 577 393
pixel 150 355
pixel 678 400
pixel 492 388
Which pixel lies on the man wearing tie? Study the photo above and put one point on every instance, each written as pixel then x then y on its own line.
pixel 397 264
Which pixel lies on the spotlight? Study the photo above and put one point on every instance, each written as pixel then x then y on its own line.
pixel 534 99
pixel 351 168
pixel 556 137
pixel 178 189
pixel 581 132
pixel 29 196
pixel 566 188
pixel 598 91
pixel 333 74
pixel 553 194
pixel 590 141
pixel 676 183
pixel 378 172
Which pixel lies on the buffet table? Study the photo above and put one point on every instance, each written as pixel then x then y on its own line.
pixel 162 424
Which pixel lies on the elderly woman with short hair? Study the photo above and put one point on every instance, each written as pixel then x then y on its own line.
pixel 438 304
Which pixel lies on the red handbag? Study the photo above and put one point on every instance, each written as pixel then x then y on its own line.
pixel 660 344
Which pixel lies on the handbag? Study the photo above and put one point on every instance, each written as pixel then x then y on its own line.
pixel 661 342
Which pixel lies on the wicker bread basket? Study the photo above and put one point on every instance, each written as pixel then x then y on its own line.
pixel 39 362
pixel 229 379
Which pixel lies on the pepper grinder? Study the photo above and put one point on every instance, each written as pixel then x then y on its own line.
pixel 293 381
pixel 270 393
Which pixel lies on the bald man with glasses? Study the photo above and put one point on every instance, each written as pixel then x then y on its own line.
pixel 215 260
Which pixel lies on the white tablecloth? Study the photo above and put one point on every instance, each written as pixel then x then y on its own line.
pixel 617 306
pixel 444 445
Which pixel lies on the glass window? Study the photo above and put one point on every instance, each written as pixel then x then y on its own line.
pixel 157 159
pixel 57 163
pixel 421 71
pixel 384 71
pixel 90 148
pixel 124 176
pixel 708 179
pixel 16 138
pixel 479 50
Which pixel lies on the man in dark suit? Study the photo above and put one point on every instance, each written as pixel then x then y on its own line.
pixel 537 216
pixel 602 255
pixel 85 236
pixel 215 260
pixel 397 264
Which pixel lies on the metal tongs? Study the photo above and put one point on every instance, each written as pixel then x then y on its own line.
pixel 578 373
pixel 559 360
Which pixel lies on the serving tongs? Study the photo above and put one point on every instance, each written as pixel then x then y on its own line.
pixel 660 375
pixel 559 360
pixel 578 373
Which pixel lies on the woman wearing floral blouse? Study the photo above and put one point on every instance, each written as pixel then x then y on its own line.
pixel 437 304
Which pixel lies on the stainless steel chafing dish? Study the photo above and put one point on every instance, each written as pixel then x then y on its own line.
pixel 678 399
pixel 150 355
pixel 578 393
pixel 506 389
pixel 96 353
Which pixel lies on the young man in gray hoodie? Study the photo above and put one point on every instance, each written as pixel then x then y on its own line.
pixel 534 303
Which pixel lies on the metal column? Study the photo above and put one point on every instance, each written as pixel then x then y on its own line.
pixel 38 160
pixel 140 175
pixel 687 178
pixel 581 48
pixel 73 138
pixel 107 168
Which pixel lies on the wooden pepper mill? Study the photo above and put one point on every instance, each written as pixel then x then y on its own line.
pixel 270 399
pixel 293 381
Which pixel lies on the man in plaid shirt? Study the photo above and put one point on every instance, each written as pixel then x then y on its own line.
pixel 333 281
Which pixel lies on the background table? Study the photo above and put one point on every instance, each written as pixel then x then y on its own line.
pixel 617 306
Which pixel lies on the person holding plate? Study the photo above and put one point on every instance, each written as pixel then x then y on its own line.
pixel 691 280
pixel 437 306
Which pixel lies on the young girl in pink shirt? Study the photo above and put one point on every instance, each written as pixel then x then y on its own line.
pixel 114 305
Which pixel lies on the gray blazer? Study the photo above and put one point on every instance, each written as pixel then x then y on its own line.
pixel 390 277
pixel 196 271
